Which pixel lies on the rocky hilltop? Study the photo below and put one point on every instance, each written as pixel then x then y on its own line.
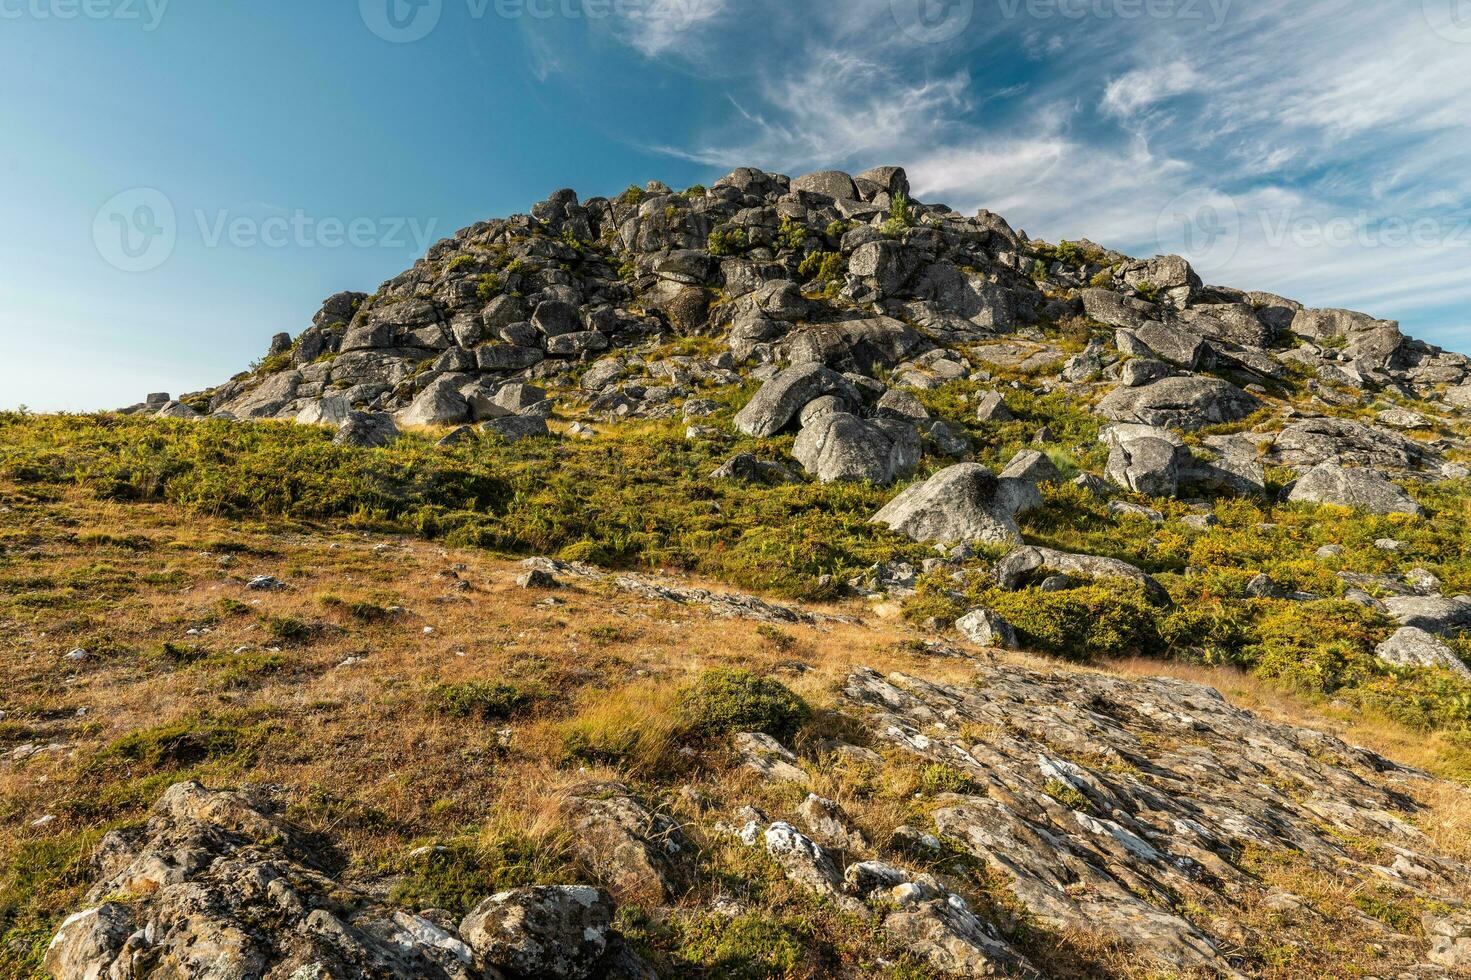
pixel 841 295
pixel 431 645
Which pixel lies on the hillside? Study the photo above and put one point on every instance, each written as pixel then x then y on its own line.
pixel 785 578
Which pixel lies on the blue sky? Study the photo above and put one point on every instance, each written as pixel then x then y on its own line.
pixel 286 150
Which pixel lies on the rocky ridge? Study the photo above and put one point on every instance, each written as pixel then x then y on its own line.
pixel 818 287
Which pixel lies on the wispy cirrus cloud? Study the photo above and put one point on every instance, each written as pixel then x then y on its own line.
pixel 1328 114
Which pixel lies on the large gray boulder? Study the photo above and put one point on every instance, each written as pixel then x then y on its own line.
pixel 746 468
pixel 829 183
pixel 1411 646
pixel 988 629
pixel 1033 467
pixel 514 428
pixel 1183 403
pixel 1114 310
pixel 1228 473
pixel 777 403
pixel 1307 442
pixel 1167 277
pixel 1143 459
pixel 856 346
pixel 1359 489
pixel 1375 341
pixel 554 931
pixel 961 503
pixel 1433 614
pixel 366 430
pixel 1013 570
pixel 176 410
pixel 1174 344
pixel 838 446
pixel 883 180
pixel 886 265
pixel 439 404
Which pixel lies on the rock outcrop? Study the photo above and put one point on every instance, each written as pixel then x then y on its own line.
pixel 218 885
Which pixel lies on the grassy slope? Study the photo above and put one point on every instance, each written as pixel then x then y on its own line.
pixel 121 535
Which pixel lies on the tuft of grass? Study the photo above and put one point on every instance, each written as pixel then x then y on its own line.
pixel 482 700
pixel 722 701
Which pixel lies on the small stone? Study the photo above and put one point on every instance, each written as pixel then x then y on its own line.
pixel 538 579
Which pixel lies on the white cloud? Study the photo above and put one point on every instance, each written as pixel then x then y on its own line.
pixel 1322 108
pixel 1144 87
pixel 659 27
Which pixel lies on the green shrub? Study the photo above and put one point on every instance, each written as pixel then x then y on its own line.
pixel 938 778
pixel 731 242
pixel 722 701
pixel 791 234
pixel 634 195
pixel 1112 620
pixel 288 631
pixel 184 744
pixel 827 268
pixel 461 874
pixel 901 216
pixel 753 946
pixel 488 287
pixel 483 700
pixel 461 262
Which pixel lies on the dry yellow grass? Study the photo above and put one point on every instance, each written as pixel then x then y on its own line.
pixel 343 713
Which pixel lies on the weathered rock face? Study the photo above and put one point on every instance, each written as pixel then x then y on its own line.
pixel 557 932
pixel 1366 490
pixel 1411 646
pixel 1013 570
pixel 1365 337
pixel 1125 808
pixel 218 886
pixel 1307 443
pixel 1180 403
pixel 777 403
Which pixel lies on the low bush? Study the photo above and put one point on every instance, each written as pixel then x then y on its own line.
pixel 721 701
pixel 1101 620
